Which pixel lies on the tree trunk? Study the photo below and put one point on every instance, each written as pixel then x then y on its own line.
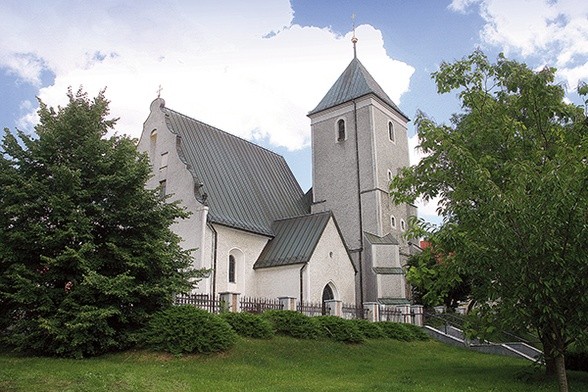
pixel 548 353
pixel 555 365
pixel 560 369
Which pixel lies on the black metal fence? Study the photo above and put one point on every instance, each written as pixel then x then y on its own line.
pixel 259 305
pixel 312 309
pixel 391 314
pixel 201 301
pixel 351 311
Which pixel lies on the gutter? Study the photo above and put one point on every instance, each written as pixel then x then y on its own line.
pixel 302 282
pixel 214 257
pixel 360 250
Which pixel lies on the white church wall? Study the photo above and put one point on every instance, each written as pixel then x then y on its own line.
pixel 167 167
pixel 333 168
pixel 246 247
pixel 330 263
pixel 278 282
pixel 385 256
pixel 391 286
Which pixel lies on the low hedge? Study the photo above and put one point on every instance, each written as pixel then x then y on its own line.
pixel 398 331
pixel 186 329
pixel 294 324
pixel 339 329
pixel 417 332
pixel 249 325
pixel 369 330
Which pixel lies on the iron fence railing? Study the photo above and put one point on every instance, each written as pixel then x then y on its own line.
pixel 201 301
pixel 259 305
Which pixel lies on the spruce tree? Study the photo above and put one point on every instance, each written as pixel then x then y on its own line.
pixel 86 252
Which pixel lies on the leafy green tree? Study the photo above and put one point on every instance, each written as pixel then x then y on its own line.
pixel 434 277
pixel 86 252
pixel 511 171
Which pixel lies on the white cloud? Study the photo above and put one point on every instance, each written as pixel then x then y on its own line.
pixel 213 62
pixel 426 209
pixel 555 33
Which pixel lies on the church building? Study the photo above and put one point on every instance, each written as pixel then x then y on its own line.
pixel 252 225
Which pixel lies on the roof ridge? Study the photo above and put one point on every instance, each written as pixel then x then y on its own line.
pixel 304 216
pixel 224 132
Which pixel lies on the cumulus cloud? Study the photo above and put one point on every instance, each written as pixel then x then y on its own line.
pixel 243 67
pixel 426 209
pixel 553 33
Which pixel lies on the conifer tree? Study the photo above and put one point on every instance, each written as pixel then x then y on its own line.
pixel 86 252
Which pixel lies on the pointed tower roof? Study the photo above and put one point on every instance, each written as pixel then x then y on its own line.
pixel 354 82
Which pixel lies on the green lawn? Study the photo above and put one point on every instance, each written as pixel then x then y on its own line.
pixel 284 364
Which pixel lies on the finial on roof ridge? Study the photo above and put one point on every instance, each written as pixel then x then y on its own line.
pixel 354 38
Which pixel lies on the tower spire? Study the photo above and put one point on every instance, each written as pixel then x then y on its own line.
pixel 354 38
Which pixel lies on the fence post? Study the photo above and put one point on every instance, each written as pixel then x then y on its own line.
pixel 373 311
pixel 335 307
pixel 231 301
pixel 418 314
pixel 288 303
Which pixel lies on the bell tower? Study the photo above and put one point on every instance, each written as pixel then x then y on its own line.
pixel 359 141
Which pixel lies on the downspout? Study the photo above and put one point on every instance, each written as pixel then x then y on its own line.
pixel 214 252
pixel 302 283
pixel 360 261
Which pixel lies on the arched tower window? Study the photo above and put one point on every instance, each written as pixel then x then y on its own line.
pixel 232 267
pixel 392 221
pixel 402 225
pixel 391 132
pixel 341 130
pixel 152 144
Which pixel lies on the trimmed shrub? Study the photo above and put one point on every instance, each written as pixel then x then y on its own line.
pixel 417 332
pixel 186 329
pixel 576 357
pixel 249 325
pixel 397 331
pixel 339 330
pixel 369 330
pixel 291 323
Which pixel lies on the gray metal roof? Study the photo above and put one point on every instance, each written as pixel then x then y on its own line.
pixel 353 83
pixel 295 240
pixel 388 239
pixel 394 301
pixel 388 270
pixel 248 186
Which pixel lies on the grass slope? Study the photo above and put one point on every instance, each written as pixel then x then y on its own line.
pixel 284 364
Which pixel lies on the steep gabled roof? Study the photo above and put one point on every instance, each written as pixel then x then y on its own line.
pixel 295 240
pixel 247 186
pixel 373 239
pixel 354 82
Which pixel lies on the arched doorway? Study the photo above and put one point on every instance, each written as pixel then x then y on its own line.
pixel 327 295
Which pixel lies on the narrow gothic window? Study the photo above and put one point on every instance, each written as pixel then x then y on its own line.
pixel 163 160
pixel 232 269
pixel 153 144
pixel 162 190
pixel 393 221
pixel 402 225
pixel 340 130
pixel 391 132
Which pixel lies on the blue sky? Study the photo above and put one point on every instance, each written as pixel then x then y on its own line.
pixel 255 68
